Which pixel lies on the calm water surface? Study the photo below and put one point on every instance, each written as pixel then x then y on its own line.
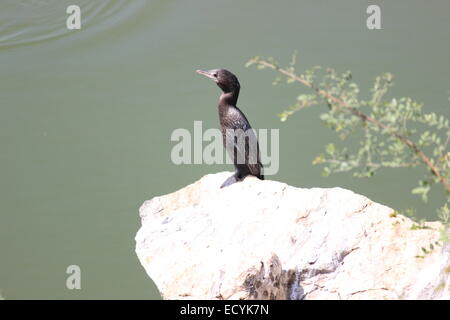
pixel 86 116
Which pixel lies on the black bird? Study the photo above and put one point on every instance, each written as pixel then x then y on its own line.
pixel 238 137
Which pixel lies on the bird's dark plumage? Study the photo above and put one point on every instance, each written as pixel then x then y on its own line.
pixel 238 137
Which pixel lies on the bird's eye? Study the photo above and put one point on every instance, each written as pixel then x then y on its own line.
pixel 215 75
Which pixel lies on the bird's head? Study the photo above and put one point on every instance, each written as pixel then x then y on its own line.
pixel 223 78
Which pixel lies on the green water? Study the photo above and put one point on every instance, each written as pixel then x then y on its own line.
pixel 86 116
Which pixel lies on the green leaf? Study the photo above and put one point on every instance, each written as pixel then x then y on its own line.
pixel 330 149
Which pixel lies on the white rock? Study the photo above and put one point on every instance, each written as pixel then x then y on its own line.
pixel 267 240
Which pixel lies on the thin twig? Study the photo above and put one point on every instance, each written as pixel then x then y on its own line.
pixel 375 165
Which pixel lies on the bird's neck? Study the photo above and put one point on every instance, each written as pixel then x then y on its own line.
pixel 229 98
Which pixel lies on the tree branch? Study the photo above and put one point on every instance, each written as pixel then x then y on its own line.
pixel 329 97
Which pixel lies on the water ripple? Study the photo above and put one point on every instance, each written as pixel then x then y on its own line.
pixel 25 22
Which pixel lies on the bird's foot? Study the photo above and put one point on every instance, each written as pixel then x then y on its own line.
pixel 233 179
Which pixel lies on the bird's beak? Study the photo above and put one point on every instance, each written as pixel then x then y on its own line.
pixel 205 73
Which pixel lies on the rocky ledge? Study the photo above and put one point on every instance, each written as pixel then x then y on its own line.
pixel 268 240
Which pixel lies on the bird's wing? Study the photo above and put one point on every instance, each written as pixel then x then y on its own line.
pixel 243 142
pixel 235 122
pixel 237 119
